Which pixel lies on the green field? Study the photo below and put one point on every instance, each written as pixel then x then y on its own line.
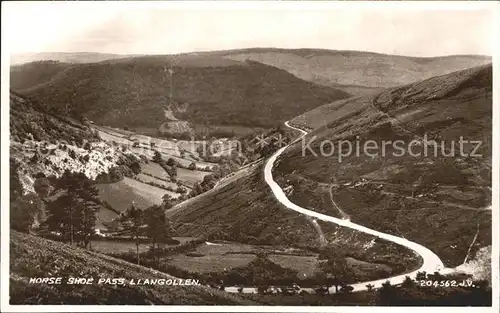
pixel 122 194
pixel 147 179
pixel 154 169
pixel 119 246
pixel 214 258
pixel 190 177
pixel 306 266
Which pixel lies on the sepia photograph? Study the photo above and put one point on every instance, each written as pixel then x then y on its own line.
pixel 263 156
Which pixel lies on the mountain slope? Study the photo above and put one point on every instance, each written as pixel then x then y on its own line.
pixel 135 92
pixel 442 202
pixel 245 211
pixel 37 257
pixel 69 57
pixel 44 143
pixel 366 70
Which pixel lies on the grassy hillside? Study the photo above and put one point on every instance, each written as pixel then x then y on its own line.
pixel 442 202
pixel 36 257
pixel 366 70
pixel 135 92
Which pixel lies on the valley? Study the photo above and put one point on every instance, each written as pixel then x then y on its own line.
pixel 256 213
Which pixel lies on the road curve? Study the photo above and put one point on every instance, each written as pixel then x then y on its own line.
pixel 431 262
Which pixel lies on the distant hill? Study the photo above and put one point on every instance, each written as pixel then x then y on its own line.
pixel 136 92
pixel 68 57
pixel 355 68
pixel 32 256
pixel 442 199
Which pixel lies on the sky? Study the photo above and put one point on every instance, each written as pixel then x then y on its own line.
pixel 145 28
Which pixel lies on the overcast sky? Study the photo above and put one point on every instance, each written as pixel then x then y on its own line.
pixel 130 29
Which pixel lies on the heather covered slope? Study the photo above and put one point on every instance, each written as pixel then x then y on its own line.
pixel 346 69
pixel 209 91
pixel 441 200
pixel 32 256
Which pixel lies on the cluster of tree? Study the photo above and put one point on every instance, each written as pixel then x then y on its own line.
pixel 72 214
pixel 335 270
pixel 114 175
pixel 206 184
pixel 127 166
pixel 150 223
pixel 170 166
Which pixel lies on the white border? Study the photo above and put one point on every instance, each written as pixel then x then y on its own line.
pixel 254 5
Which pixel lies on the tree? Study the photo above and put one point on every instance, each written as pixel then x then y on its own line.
pixel 168 202
pixel 73 213
pixel 421 276
pixel 172 171
pixel 192 166
pixel 133 219
pixel 369 287
pixel 158 228
pixel 197 189
pixel 157 157
pixel 386 294
pixel 208 182
pixel 336 266
pixel 135 167
pixel 171 162
pixel 408 282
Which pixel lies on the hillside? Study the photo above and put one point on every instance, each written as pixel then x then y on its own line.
pixel 439 199
pixel 36 257
pixel 354 71
pixel 69 57
pixel 46 143
pixel 135 92
pixel 245 211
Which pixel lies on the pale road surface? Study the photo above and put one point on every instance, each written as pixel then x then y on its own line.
pixel 431 262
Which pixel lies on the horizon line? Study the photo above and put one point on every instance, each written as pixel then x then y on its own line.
pixel 250 48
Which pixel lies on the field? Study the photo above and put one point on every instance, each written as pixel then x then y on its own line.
pixel 119 246
pixel 189 176
pixel 214 257
pixel 183 152
pixel 110 246
pixel 154 169
pixel 122 194
pixel 149 179
pixel 306 266
pixel 104 215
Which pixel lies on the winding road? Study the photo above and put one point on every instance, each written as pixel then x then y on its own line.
pixel 431 262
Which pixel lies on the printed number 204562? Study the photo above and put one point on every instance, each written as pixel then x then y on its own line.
pixel 446 283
